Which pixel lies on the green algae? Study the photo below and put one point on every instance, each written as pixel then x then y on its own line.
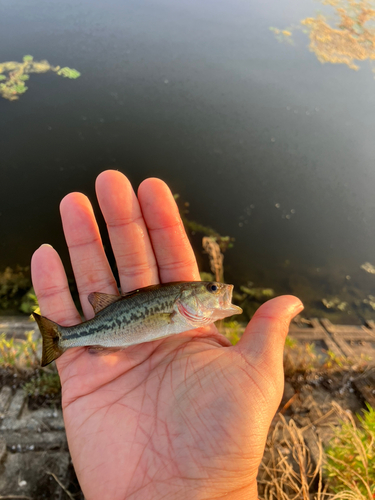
pixel 13 75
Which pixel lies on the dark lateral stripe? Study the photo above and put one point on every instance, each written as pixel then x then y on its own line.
pixel 111 320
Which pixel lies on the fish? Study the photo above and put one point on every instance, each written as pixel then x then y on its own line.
pixel 142 315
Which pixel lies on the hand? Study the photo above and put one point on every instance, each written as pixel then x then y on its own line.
pixel 184 417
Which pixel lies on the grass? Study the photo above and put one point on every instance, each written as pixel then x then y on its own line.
pixel 20 363
pixel 287 471
pixel 43 384
pixel 344 472
pixel 299 358
pixel 19 354
pixel 232 329
pixel 29 303
pixel 303 358
pixel 351 456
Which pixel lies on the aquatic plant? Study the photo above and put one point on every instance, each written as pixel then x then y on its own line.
pixel 350 40
pixel 259 294
pixel 14 283
pixel 335 303
pixel 69 73
pixel 369 268
pixel 282 36
pixel 13 75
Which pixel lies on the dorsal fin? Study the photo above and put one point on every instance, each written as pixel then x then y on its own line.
pixel 100 300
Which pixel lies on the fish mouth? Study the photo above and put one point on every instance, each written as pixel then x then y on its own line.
pixel 227 300
pixel 227 297
pixel 234 309
pixel 227 308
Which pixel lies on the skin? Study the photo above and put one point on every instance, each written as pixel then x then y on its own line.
pixel 184 417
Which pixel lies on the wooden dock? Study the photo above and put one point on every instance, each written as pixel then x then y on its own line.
pixel 355 343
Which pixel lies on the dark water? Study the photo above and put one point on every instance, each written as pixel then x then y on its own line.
pixel 267 144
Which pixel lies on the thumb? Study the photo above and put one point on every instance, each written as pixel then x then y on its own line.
pixel 264 338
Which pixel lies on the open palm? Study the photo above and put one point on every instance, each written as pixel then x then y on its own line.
pixel 185 417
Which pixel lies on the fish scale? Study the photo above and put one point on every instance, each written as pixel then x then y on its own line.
pixel 139 316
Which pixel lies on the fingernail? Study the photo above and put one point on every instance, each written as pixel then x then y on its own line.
pixel 297 307
pixel 46 245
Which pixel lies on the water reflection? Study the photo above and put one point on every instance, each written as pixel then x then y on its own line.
pixel 268 145
pixel 349 39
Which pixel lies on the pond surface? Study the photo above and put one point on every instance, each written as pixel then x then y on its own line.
pixel 267 144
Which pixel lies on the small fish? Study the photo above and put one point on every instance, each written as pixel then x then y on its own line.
pixel 142 315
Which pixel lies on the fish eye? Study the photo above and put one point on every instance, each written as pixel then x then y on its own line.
pixel 212 287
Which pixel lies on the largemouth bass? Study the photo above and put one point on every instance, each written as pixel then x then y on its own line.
pixel 142 315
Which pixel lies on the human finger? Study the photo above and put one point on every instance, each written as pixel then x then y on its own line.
pixel 264 338
pixel 51 287
pixel 172 249
pixel 127 230
pixel 90 264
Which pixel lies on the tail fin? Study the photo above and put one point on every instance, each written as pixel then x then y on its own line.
pixel 51 336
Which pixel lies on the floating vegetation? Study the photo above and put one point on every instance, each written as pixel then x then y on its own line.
pixel 349 40
pixel 370 301
pixel 13 75
pixel 259 294
pixel 335 303
pixel 69 73
pixel 369 268
pixel 282 36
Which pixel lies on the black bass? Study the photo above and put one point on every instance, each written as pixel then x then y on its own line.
pixel 142 315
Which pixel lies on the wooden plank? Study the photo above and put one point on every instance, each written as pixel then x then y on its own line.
pixel 16 326
pixel 356 341
pixel 366 386
pixel 313 332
